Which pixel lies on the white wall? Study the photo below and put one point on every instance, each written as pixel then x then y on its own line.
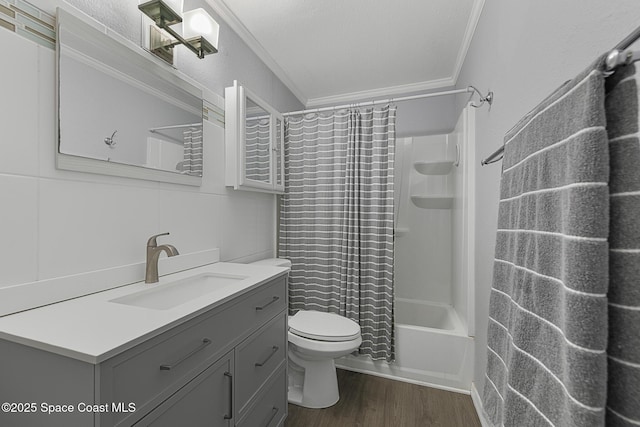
pixel 55 223
pixel 523 50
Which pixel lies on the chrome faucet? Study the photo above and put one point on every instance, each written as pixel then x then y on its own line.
pixel 153 253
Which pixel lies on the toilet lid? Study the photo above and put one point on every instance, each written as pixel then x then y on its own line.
pixel 322 326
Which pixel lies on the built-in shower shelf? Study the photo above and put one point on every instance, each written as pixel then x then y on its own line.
pixel 433 168
pixel 401 231
pixel 432 202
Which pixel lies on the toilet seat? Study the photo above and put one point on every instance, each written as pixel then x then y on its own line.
pixel 325 349
pixel 322 326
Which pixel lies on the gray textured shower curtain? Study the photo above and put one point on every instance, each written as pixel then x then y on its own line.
pixel 336 219
pixel 192 159
pixel 258 148
pixel 564 317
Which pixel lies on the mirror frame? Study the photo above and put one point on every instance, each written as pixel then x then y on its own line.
pixel 101 34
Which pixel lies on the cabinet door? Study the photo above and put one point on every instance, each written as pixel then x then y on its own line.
pixel 256 165
pixel 254 142
pixel 278 154
pixel 205 401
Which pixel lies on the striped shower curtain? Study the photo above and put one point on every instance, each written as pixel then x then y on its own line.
pixel 192 161
pixel 258 149
pixel 336 219
pixel 564 316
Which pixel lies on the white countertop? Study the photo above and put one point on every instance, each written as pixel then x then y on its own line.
pixel 93 329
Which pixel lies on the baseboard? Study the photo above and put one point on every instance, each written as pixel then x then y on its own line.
pixel 399 378
pixel 477 403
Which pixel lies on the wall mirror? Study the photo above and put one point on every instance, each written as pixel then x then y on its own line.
pixel 122 113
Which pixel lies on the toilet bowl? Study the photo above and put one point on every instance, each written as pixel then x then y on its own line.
pixel 315 340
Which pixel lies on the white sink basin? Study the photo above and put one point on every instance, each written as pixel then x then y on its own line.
pixel 169 295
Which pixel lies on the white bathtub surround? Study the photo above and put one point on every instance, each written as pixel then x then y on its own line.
pixel 435 218
pixel 436 352
pixel 423 254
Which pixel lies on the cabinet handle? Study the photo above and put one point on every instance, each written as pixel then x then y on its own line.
pixel 228 375
pixel 274 411
pixel 274 350
pixel 268 304
pixel 205 342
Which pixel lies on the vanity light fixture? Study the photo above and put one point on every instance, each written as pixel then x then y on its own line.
pixel 199 29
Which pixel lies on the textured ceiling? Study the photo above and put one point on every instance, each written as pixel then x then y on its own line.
pixel 330 51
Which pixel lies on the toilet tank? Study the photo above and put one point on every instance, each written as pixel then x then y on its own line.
pixel 275 262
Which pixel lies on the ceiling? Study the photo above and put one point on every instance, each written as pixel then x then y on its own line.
pixel 332 51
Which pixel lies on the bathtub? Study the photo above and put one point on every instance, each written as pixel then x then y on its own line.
pixel 432 349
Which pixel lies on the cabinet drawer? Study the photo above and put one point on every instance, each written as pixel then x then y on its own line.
pixel 257 358
pixel 270 409
pixel 152 371
pixel 266 303
pixel 205 401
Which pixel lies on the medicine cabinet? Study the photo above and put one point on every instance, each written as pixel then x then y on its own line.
pixel 254 138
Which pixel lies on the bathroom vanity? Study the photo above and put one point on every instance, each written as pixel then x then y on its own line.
pixel 206 346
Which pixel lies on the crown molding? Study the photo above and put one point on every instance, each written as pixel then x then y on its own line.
pixel 221 8
pixel 472 23
pixel 389 91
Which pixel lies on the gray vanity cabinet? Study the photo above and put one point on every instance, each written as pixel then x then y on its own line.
pixel 244 330
pixel 223 367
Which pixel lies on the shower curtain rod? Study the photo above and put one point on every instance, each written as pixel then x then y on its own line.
pixel 616 57
pixel 469 89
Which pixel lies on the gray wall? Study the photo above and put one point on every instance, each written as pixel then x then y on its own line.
pixel 522 51
pixel 234 59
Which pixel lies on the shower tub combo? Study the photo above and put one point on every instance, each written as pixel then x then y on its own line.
pixel 434 292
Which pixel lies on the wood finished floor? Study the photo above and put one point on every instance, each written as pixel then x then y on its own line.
pixel 370 401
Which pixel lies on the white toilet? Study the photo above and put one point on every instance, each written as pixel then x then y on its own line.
pixel 315 340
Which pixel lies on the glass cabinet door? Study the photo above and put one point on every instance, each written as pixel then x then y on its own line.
pixel 278 154
pixel 254 142
pixel 257 143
